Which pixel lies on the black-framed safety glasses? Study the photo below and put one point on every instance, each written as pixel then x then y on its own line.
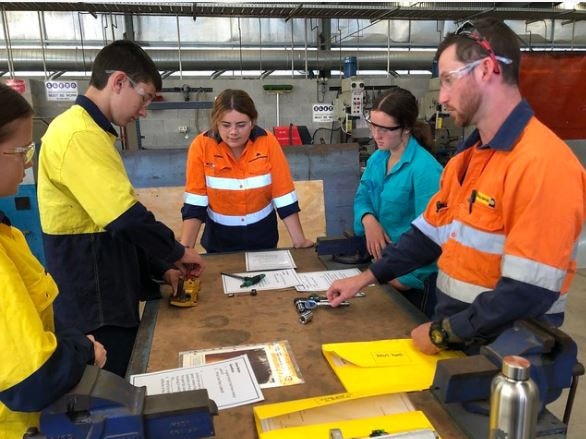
pixel 381 128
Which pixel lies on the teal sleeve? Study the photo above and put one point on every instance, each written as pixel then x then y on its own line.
pixel 363 202
pixel 416 278
pixel 427 178
pixel 427 175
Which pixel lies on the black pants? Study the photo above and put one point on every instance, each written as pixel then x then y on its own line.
pixel 118 342
pixel 424 300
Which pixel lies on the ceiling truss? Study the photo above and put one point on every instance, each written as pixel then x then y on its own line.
pixel 370 11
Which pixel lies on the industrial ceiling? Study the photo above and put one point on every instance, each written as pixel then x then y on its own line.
pixel 358 10
pixel 56 38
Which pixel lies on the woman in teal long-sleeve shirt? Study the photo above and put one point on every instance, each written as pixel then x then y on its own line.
pixel 399 179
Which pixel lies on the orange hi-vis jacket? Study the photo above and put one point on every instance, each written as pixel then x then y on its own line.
pixel 237 198
pixel 506 218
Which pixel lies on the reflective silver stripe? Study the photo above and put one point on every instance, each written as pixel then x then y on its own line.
pixel 457 289
pixel 467 292
pixel 195 200
pixel 559 305
pixel 477 239
pixel 238 184
pixel 285 200
pixel 439 235
pixel 533 273
pixel 240 220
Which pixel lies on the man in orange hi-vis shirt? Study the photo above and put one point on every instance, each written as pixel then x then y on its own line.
pixel 510 208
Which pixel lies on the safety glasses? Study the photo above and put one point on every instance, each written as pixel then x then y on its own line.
pixel 146 97
pixel 381 128
pixel 26 152
pixel 468 30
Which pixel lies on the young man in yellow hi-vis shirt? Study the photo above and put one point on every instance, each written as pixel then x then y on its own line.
pixel 100 241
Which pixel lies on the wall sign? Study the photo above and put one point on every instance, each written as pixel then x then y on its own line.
pixel 61 90
pixel 323 112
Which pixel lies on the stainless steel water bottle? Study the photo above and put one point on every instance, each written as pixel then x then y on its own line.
pixel 514 401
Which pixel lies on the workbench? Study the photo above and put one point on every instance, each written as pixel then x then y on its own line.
pixel 219 320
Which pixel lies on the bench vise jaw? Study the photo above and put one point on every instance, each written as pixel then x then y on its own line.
pixel 104 405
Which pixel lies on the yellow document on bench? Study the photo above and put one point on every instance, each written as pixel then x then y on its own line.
pixel 355 414
pixel 383 366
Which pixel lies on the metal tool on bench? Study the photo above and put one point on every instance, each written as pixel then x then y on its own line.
pixel 312 302
pixel 552 353
pixel 305 317
pixel 187 293
pixel 104 405
pixel 247 281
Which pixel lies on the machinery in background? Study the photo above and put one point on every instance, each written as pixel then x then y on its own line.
pixel 446 133
pixel 23 209
pixel 104 405
pixel 292 135
pixel 349 105
pixel 350 109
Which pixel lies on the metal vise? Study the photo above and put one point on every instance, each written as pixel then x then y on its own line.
pixel 104 405
pixel 552 353
pixel 347 249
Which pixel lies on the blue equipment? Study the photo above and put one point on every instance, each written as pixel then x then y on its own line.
pixel 23 211
pixel 463 384
pixel 104 405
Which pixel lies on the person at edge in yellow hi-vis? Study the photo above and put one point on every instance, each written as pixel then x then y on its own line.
pixel 38 364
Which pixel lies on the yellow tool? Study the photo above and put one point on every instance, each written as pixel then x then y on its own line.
pixel 187 292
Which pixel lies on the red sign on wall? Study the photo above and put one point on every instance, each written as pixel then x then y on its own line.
pixel 16 84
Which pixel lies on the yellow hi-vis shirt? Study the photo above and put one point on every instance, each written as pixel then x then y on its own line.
pixel 26 323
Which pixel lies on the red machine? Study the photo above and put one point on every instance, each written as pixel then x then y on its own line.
pixel 292 135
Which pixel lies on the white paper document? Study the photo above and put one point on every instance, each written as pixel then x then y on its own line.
pixel 321 280
pixel 230 383
pixel 269 260
pixel 273 363
pixel 273 280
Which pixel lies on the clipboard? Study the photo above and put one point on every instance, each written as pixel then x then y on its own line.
pixel 383 366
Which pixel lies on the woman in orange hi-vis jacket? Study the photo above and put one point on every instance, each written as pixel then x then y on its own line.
pixel 38 365
pixel 237 181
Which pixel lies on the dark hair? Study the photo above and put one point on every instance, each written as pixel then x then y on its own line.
pixel 128 57
pixel 502 39
pixel 13 107
pixel 230 99
pixel 402 106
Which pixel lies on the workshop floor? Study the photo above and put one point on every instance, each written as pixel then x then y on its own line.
pixel 575 326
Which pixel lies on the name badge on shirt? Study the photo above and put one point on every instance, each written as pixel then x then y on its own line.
pixel 485 199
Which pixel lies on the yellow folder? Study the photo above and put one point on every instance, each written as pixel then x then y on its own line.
pixel 355 414
pixel 383 366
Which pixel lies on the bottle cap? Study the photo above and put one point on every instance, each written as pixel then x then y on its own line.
pixel 516 368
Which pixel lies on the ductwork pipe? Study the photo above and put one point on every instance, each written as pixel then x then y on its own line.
pixel 191 59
